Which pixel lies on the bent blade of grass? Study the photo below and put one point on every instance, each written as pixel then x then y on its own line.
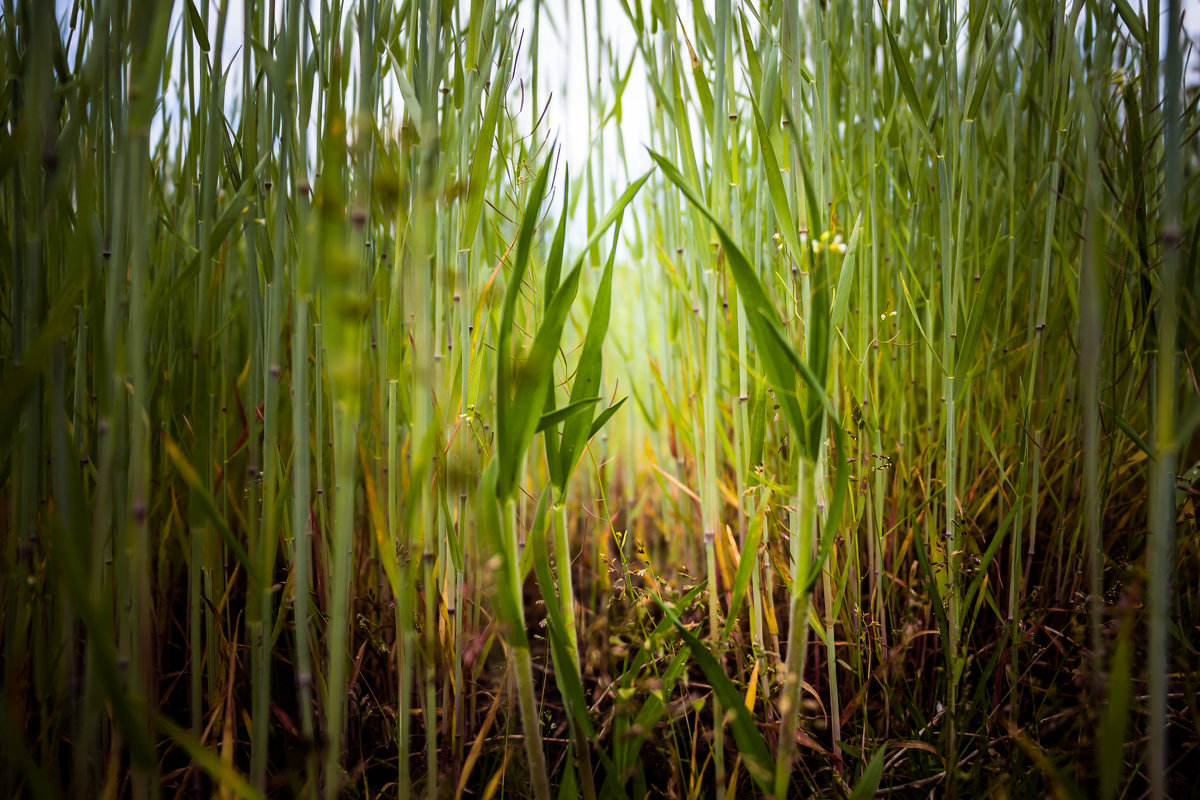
pixel 564 655
pixel 746 566
pixel 775 188
pixel 604 416
pixel 197 25
pixel 841 477
pixel 614 213
pixel 577 429
pixel 481 162
pixel 208 506
pixel 554 263
pixel 745 732
pixel 904 74
pixel 550 419
pixel 841 295
pixel 227 777
pixel 515 424
pixel 564 663
pixel 552 277
pixel 487 517
pixel 868 784
pixel 752 293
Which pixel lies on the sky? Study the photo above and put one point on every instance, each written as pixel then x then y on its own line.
pixel 563 77
pixel 561 68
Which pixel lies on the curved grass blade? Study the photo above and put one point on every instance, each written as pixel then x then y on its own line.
pixel 564 664
pixel 841 477
pixel 480 162
pixel 746 565
pixel 576 430
pixel 226 775
pixel 197 24
pixel 487 521
pixel 515 424
pixel 869 782
pixel 749 740
pixel 904 73
pixel 775 187
pixel 604 416
pixel 209 506
pixel 554 265
pixel 557 415
pixel 760 311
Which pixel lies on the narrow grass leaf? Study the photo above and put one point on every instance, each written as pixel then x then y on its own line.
pixel 841 481
pixel 604 416
pixel 590 367
pixel 487 522
pixel 745 732
pixel 746 566
pixel 868 784
pixel 760 311
pixel 198 28
pixel 209 506
pixel 550 419
pixel 225 774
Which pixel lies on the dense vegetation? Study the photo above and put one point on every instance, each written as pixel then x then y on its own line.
pixel 353 443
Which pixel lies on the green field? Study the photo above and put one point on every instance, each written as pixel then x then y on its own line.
pixel 818 419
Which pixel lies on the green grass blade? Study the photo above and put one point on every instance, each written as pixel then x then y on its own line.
pixel 905 76
pixel 554 264
pixel 226 775
pixel 1114 720
pixel 551 418
pixel 590 368
pixel 566 673
pixel 516 423
pixel 481 161
pixel 841 483
pixel 869 782
pixel 753 748
pixel 760 311
pixel 604 416
pixel 747 563
pixel 208 505
pixel 197 25
pixel 491 533
pixel 775 188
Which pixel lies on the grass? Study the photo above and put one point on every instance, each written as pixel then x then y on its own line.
pixel 353 443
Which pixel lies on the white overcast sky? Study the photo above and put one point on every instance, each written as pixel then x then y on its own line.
pixel 562 73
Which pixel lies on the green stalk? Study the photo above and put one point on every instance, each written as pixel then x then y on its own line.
pixel 523 669
pixel 302 511
pixel 566 584
pixel 343 340
pixel 802 536
pixel 341 554
pixel 712 512
pixel 1162 506
pixel 404 643
pixel 1091 335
